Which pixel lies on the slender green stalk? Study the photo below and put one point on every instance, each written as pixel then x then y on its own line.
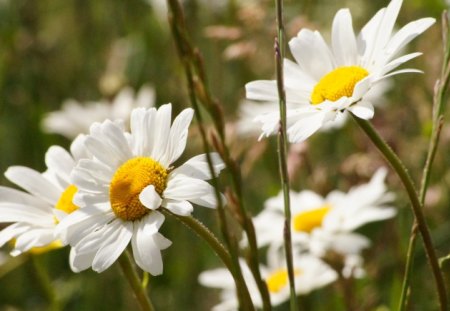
pixel 145 279
pixel 438 115
pixel 403 174
pixel 45 283
pixel 202 231
pixel 282 152
pixel 198 88
pixel 128 269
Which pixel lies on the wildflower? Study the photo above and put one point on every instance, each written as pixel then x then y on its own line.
pixel 310 273
pixel 326 82
pixel 75 118
pixel 125 183
pixel 326 224
pixel 47 200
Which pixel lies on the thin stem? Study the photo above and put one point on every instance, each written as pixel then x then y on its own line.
pixel 438 115
pixel 282 152
pixel 202 231
pixel 128 269
pixel 45 283
pixel 403 174
pixel 198 89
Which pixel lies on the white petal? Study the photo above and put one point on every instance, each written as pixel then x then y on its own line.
pixel 363 110
pixel 33 182
pixel 161 241
pixel 312 53
pixel 15 196
pixel 197 167
pixel 60 161
pixel 306 125
pixel 141 133
pixel 408 33
pixel 15 212
pixel 145 251
pixel 178 137
pixel 150 198
pixel 343 39
pixel 117 243
pixel 184 188
pixel 11 232
pixel 162 130
pixel 81 262
pixel 262 90
pixel 78 149
pixel 182 208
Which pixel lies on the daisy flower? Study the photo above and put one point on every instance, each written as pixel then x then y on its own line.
pixel 327 81
pixel 130 176
pixel 47 199
pixel 75 118
pixel 310 273
pixel 323 224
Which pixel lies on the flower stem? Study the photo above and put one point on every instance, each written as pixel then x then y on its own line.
pixel 202 231
pixel 282 152
pixel 45 283
pixel 128 269
pixel 403 174
pixel 438 115
pixel 199 93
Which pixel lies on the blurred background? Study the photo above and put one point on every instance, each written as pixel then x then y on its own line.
pixel 52 50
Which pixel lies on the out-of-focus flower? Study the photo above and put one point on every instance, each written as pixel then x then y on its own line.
pixel 326 224
pixel 310 273
pixel 75 118
pixel 47 200
pixel 325 82
pixel 129 177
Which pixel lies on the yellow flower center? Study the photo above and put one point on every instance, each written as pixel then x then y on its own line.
pixel 65 203
pixel 337 83
pixel 128 182
pixel 279 279
pixel 307 221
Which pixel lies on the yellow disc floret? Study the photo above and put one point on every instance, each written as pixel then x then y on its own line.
pixel 278 280
pixel 308 220
pixel 128 182
pixel 65 203
pixel 337 83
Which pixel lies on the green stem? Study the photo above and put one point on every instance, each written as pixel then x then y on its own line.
pixel 438 115
pixel 403 174
pixel 128 269
pixel 45 283
pixel 282 152
pixel 202 231
pixel 198 88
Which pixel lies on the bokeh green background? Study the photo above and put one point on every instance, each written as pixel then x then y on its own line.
pixel 51 50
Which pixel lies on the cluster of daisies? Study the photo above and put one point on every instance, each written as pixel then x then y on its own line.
pixel 117 181
pixel 325 244
pixel 108 191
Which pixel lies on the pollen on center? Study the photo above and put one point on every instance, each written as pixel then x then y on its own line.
pixel 277 280
pixel 308 220
pixel 337 83
pixel 128 182
pixel 65 203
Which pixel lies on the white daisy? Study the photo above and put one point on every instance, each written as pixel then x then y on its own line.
pixel 310 273
pixel 129 178
pixel 47 200
pixel 325 82
pixel 75 118
pixel 322 224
